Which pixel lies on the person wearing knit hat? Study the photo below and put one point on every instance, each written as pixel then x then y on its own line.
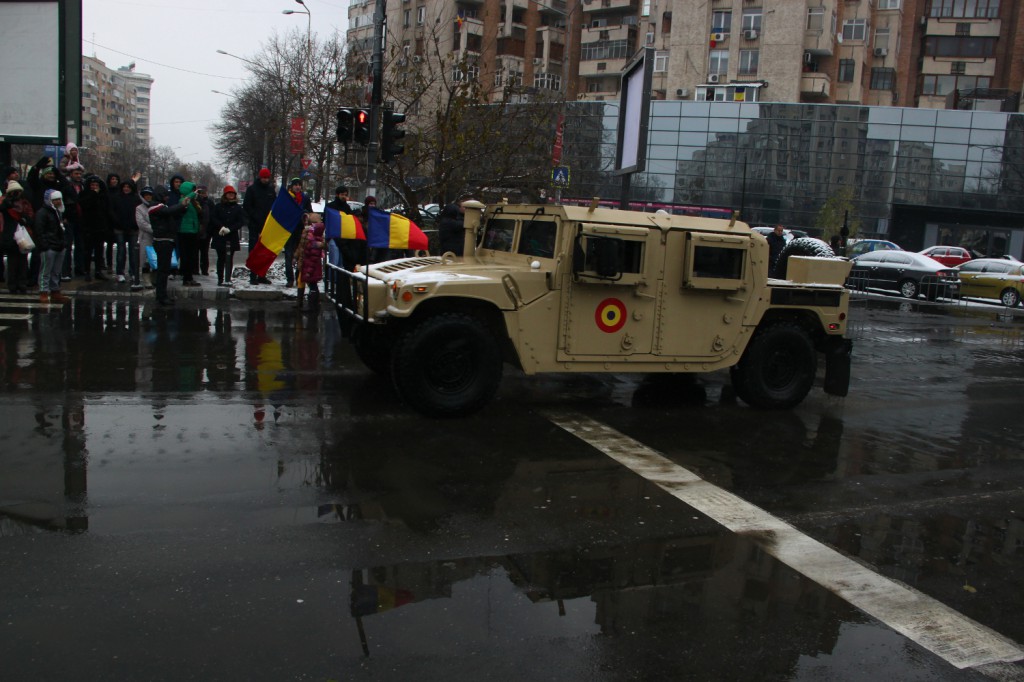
pixel 259 197
pixel 226 225
pixel 15 210
pixel 71 156
pixel 343 252
pixel 302 199
pixel 49 237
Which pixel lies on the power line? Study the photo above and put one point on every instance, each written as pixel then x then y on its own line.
pixel 166 66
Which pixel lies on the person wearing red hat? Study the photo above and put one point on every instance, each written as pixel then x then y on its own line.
pixel 258 200
pixel 226 224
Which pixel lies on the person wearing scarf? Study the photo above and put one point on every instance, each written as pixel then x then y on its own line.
pixel 49 236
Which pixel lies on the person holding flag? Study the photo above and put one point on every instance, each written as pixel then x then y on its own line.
pixel 303 201
pixel 284 219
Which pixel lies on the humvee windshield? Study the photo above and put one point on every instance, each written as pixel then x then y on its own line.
pixel 499 234
pixel 538 239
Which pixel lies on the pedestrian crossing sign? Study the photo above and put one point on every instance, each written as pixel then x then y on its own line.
pixel 560 176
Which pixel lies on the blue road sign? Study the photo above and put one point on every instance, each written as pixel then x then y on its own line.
pixel 560 176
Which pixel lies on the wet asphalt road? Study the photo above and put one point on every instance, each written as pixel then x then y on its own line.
pixel 222 492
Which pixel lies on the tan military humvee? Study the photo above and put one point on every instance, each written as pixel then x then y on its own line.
pixel 571 289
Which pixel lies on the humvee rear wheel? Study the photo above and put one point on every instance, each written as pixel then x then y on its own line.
pixel 446 366
pixel 777 369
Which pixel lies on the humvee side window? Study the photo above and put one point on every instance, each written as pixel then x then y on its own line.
pixel 499 234
pixel 709 261
pixel 608 257
pixel 538 239
pixel 715 261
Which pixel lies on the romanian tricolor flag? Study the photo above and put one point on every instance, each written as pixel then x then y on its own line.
pixel 283 219
pixel 338 225
pixel 391 231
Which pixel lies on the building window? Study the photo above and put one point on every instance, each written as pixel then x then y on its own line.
pixel 752 19
pixel 943 85
pixel 661 61
pixel 721 21
pixel 855 29
pixel 888 4
pixel 605 49
pixel 964 9
pixel 594 86
pixel 406 18
pixel 882 37
pixel 645 9
pixel 547 81
pixel 719 62
pixel 959 46
pixel 748 62
pixel 847 68
pixel 815 18
pixel 649 39
pixel 883 78
pixel 421 15
pixel 958 68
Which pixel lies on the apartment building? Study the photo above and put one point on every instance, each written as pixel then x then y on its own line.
pixel 933 54
pixel 115 108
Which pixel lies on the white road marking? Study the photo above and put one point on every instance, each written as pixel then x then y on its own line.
pixel 15 316
pixel 945 632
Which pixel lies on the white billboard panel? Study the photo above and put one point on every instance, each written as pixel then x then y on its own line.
pixel 30 77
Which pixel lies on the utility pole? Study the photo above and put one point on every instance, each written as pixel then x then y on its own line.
pixel 377 94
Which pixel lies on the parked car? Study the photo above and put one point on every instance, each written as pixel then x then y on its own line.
pixel 948 255
pixel 993 278
pixel 856 247
pixel 764 231
pixel 908 273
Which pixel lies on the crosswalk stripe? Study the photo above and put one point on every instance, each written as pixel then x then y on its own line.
pixel 945 632
pixel 15 316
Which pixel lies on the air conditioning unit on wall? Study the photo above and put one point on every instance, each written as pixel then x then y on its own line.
pixel 881 52
pixel 713 77
pixel 750 35
pixel 718 37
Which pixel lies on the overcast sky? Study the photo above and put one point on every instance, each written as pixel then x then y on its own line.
pixel 176 43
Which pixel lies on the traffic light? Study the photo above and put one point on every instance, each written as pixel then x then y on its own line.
pixel 391 135
pixel 363 134
pixel 345 118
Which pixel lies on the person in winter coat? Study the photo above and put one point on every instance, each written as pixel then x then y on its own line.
pixel 126 233
pixel 226 225
pixel 295 191
pixel 71 156
pixel 74 186
pixel 450 228
pixel 147 199
pixel 15 210
pixel 257 203
pixel 205 233
pixel 96 228
pixel 309 259
pixel 41 177
pixel 165 218
pixel 49 236
pixel 188 236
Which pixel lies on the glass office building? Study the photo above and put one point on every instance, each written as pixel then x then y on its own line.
pixel 917 176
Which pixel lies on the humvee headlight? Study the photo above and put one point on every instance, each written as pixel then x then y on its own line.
pixel 420 289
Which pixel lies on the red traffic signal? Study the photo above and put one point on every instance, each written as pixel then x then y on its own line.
pixel 362 127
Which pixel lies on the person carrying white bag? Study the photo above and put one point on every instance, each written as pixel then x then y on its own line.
pixel 16 216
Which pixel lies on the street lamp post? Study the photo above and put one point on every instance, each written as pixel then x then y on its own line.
pixel 308 69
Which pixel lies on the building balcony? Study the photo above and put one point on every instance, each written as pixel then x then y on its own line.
pixel 815 86
pixel 603 6
pixel 596 33
pixel 602 67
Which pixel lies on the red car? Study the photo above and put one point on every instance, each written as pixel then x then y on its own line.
pixel 951 256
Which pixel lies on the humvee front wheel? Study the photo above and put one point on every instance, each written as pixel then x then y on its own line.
pixel 777 369
pixel 373 348
pixel 446 366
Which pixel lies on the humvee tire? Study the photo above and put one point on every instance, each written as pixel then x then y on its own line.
pixel 777 369
pixel 373 348
pixel 802 246
pixel 448 365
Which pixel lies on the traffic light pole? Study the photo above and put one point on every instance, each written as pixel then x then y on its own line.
pixel 377 94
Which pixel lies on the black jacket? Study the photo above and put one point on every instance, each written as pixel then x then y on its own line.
pixel 450 230
pixel 166 219
pixel 49 232
pixel 257 202
pixel 227 214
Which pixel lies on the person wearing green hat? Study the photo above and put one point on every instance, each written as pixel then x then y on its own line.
pixel 188 235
